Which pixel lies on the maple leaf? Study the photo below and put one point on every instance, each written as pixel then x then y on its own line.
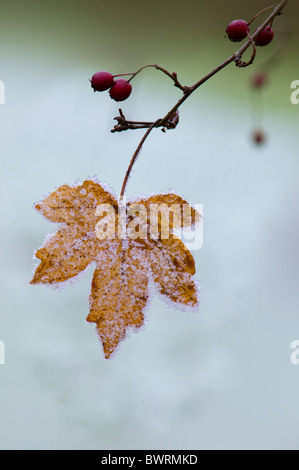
pixel 124 265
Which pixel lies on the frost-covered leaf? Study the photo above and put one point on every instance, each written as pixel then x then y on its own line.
pixel 172 212
pixel 69 204
pixel 173 266
pixel 119 293
pixel 124 265
pixel 65 255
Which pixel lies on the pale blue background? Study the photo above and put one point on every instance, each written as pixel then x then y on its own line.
pixel 220 378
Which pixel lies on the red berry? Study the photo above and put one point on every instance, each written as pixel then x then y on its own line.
pixel 120 90
pixel 258 137
pixel 101 81
pixel 237 30
pixel 259 79
pixel 265 37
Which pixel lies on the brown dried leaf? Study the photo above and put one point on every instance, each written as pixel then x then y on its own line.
pixel 167 212
pixel 188 215
pixel 74 204
pixel 65 255
pixel 173 266
pixel 119 292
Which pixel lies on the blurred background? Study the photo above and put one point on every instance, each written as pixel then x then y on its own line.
pixel 217 379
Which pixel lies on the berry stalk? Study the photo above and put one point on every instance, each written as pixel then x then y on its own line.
pixel 187 91
pixel 121 89
pixel 172 115
pixel 236 57
pixel 259 13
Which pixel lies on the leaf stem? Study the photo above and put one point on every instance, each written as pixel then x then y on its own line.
pixel 135 156
pixel 260 12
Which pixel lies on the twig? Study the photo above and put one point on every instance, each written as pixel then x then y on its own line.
pixel 233 58
pixel 170 120
pixel 123 124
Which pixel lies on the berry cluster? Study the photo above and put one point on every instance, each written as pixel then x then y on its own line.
pixel 238 30
pixel 119 90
